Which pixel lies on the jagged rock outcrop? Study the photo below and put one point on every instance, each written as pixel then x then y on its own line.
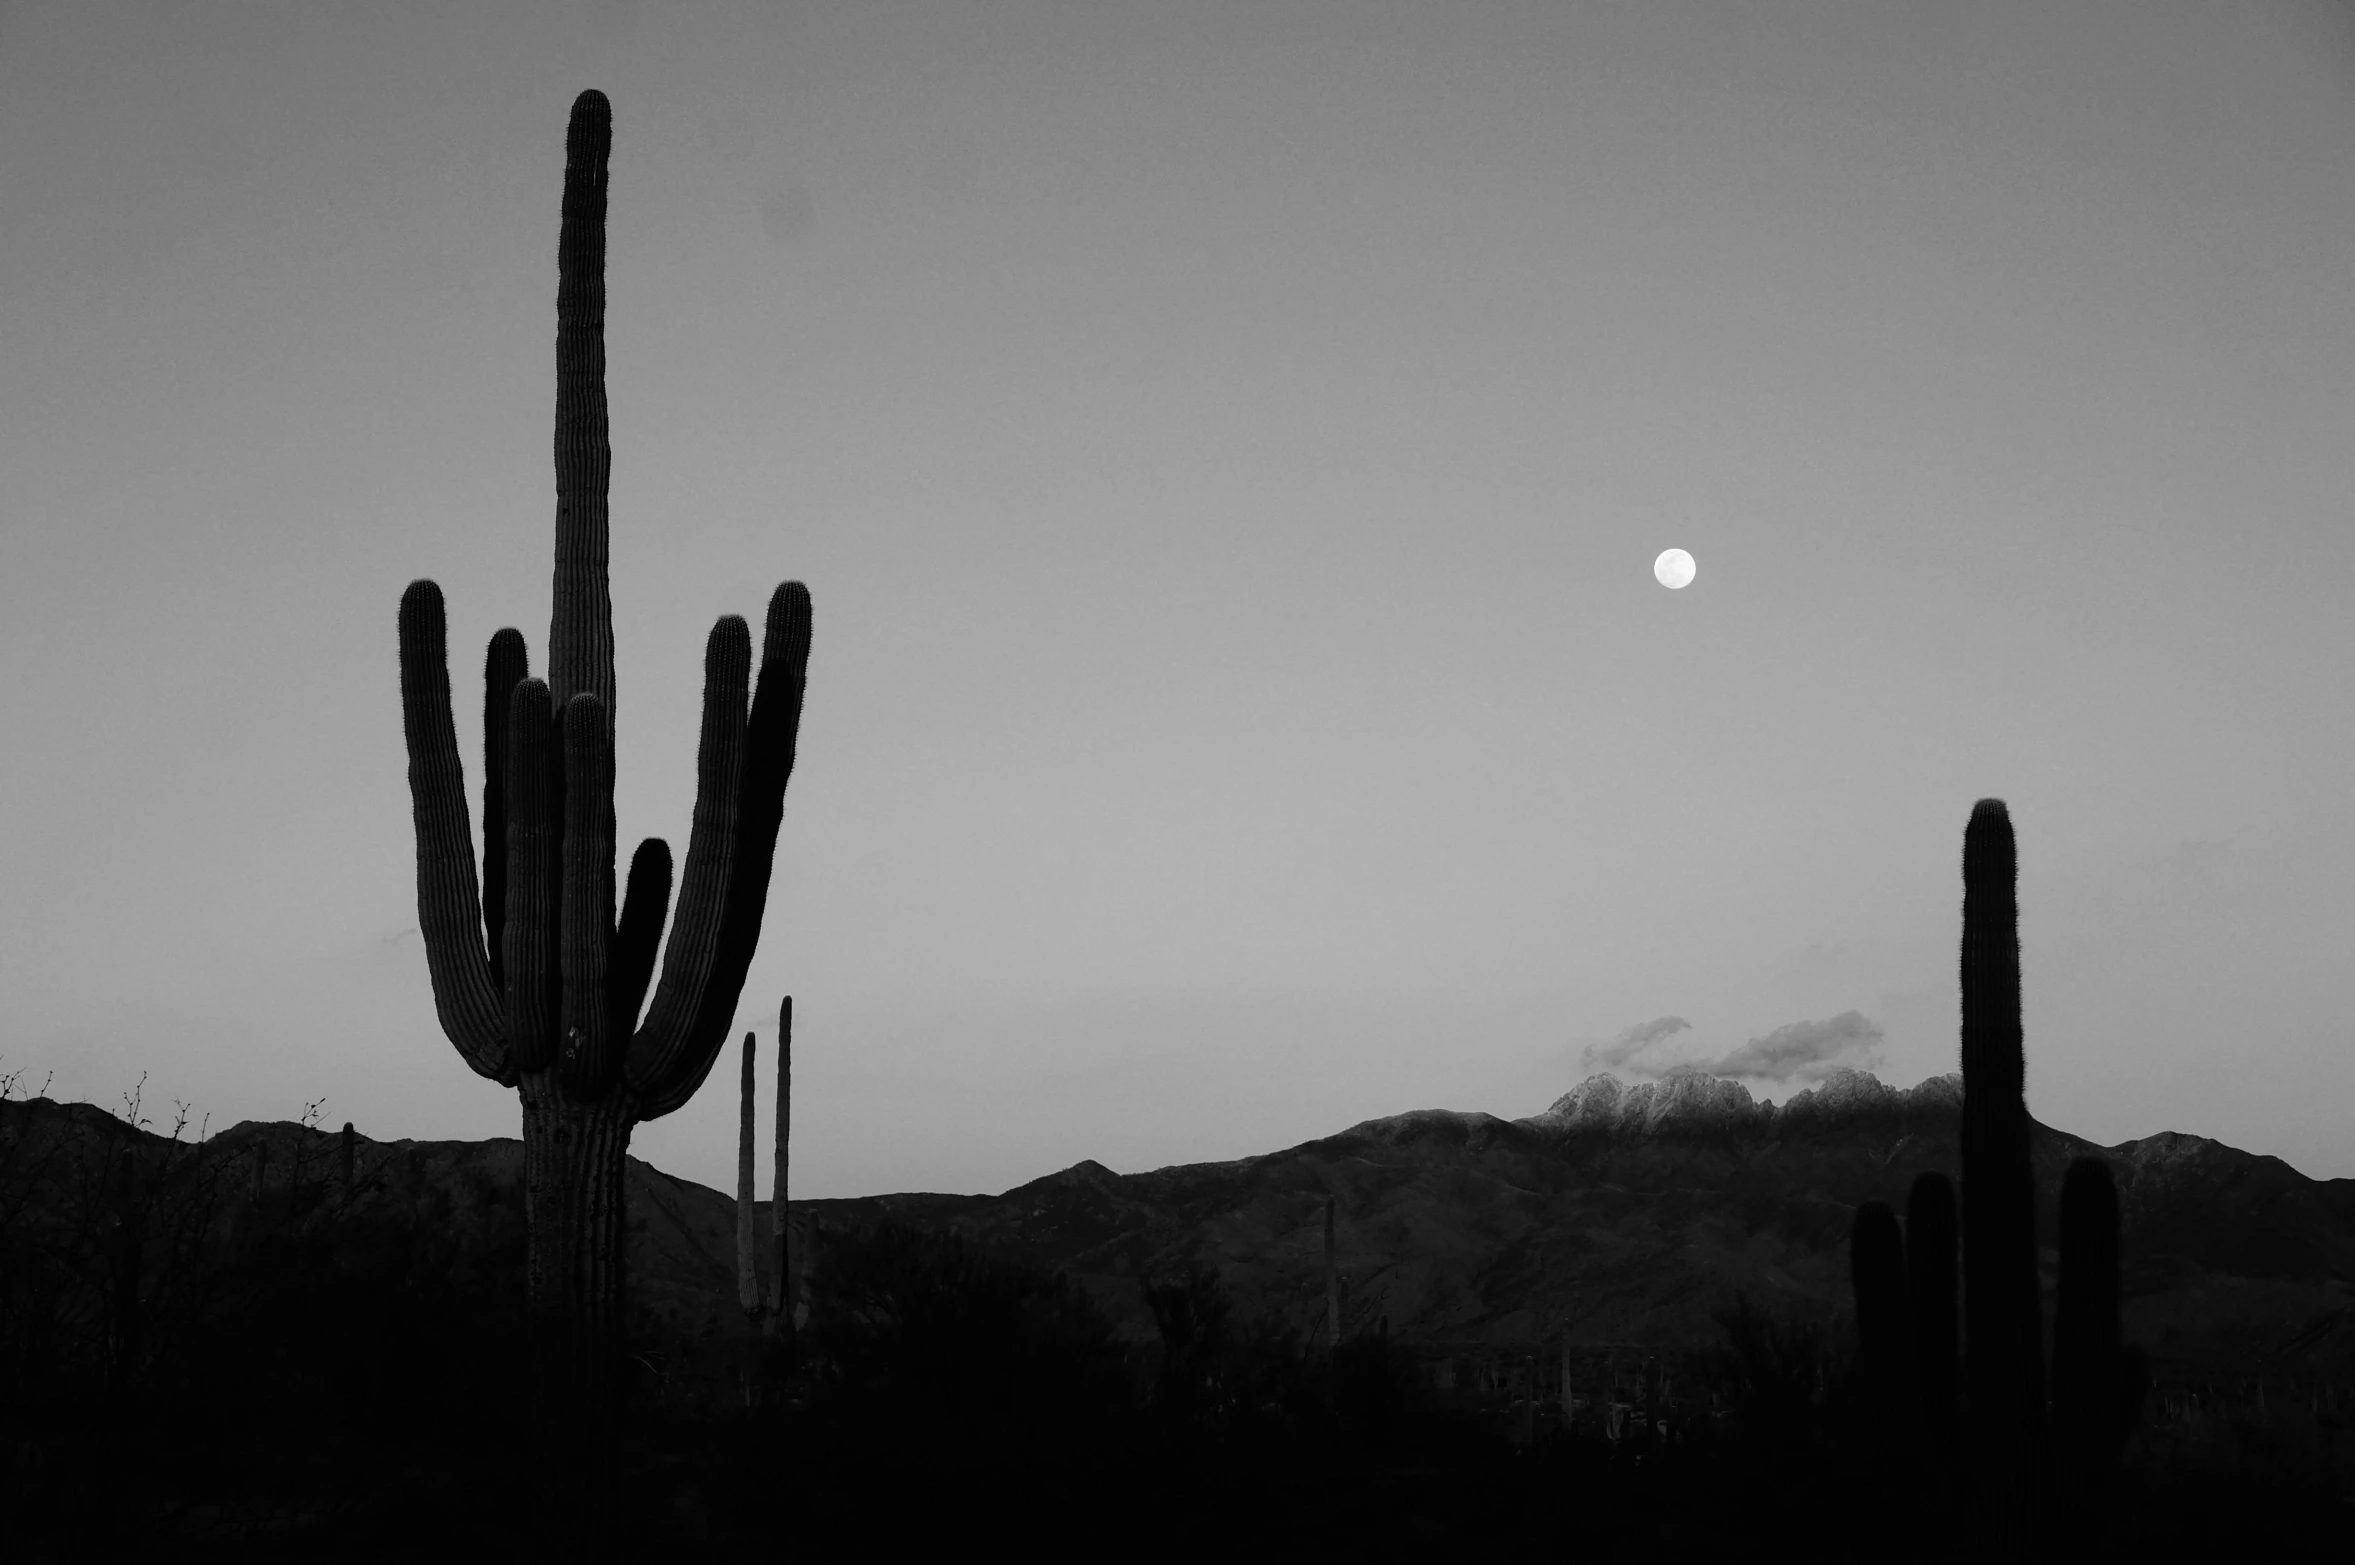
pixel 1689 1100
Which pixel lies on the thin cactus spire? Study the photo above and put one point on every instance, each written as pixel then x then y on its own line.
pixel 580 625
pixel 781 1301
pixel 747 1266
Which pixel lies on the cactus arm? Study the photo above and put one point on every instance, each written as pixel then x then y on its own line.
pixel 580 629
pixel 590 1053
pixel 535 863
pixel 663 1067
pixel 771 735
pixel 504 666
pixel 449 912
pixel 639 933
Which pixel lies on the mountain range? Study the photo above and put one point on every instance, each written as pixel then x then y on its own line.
pixel 1628 1216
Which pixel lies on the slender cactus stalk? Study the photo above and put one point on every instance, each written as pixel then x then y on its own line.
pixel 747 1259
pixel 780 1318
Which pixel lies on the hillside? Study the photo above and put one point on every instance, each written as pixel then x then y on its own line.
pixel 1630 1216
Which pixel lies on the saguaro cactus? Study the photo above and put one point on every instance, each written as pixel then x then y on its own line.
pixel 535 982
pixel 2003 1324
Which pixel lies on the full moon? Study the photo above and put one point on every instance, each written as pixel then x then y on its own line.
pixel 1674 568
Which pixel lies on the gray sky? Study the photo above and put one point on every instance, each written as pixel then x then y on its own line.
pixel 1226 445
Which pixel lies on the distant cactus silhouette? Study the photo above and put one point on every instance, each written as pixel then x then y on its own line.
pixel 534 981
pixel 747 1266
pixel 780 1319
pixel 2010 1458
pixel 774 1305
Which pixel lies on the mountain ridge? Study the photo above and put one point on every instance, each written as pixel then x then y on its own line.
pixel 1621 1216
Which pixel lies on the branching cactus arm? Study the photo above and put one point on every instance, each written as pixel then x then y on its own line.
pixel 660 1068
pixel 449 909
pixel 638 935
pixel 505 665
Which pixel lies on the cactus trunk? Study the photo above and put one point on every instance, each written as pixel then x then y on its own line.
pixel 2002 1316
pixel 574 1163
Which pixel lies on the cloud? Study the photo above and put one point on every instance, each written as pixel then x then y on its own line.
pixel 1806 1049
pixel 1620 1051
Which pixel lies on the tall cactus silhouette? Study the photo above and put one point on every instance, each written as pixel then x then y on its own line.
pixel 2003 1322
pixel 535 982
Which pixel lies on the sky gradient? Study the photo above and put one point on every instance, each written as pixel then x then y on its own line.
pixel 1226 445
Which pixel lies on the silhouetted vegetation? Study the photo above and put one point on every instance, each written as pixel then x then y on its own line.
pixel 334 1371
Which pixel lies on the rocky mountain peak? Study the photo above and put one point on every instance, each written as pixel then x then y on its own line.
pixel 1689 1098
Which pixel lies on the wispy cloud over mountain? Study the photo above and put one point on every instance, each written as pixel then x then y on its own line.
pixel 1801 1051
pixel 1806 1049
pixel 1620 1053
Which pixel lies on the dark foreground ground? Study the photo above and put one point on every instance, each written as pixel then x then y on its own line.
pixel 942 1399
